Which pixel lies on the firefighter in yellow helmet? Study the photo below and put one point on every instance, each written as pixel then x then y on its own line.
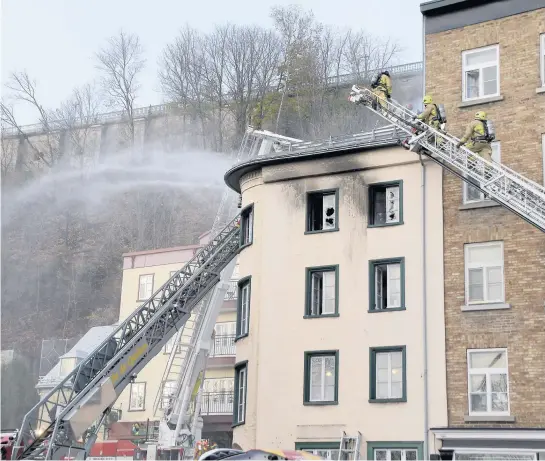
pixel 382 88
pixel 476 137
pixel 430 116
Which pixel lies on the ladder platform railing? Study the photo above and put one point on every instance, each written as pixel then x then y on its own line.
pixel 514 191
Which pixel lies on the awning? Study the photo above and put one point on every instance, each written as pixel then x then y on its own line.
pixel 479 438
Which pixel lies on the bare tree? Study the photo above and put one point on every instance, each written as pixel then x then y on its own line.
pixel 121 62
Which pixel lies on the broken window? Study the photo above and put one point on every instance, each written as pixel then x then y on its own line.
pixel 385 205
pixel 322 290
pixel 322 211
pixel 247 225
pixel 387 288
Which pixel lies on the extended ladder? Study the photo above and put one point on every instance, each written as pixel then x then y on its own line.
pixel 507 187
pixel 56 423
pixel 349 447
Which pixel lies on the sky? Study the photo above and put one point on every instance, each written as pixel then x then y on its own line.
pixel 55 41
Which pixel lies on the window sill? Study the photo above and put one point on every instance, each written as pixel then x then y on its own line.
pixel 311 404
pixel 137 409
pixel 323 231
pixel 320 316
pixel 238 424
pixel 391 309
pixel 388 400
pixel 370 226
pixel 477 102
pixel 540 90
pixel 238 338
pixel 246 245
pixel 489 419
pixel 485 307
pixel 477 205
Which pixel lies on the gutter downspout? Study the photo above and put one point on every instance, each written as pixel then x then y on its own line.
pixel 424 269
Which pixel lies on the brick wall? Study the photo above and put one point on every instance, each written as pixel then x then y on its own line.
pixel 520 122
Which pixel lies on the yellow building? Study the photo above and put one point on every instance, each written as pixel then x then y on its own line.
pixel 142 402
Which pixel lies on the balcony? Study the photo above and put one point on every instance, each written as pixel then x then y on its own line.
pixel 217 403
pixel 223 346
pixel 232 291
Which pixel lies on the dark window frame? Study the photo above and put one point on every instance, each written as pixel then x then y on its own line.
pixel 238 367
pixel 308 290
pixel 372 284
pixel 244 215
pixel 240 285
pixel 418 446
pixel 308 355
pixel 373 373
pixel 308 215
pixel 371 205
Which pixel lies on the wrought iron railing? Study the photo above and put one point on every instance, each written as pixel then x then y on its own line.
pixel 217 403
pixel 223 345
pixel 232 291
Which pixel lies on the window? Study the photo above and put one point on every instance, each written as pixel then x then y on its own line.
pixel 321 377
pixel 472 194
pixel 322 211
pixel 325 450
pixel 484 455
pixel 543 151
pixel 488 384
pixel 481 73
pixel 322 291
pixel 169 387
pixel 145 288
pixel 388 374
pixel 243 313
pixel 241 382
pixel 387 285
pixel 66 365
pixel 247 225
pixel 137 397
pixel 484 272
pixel 395 454
pixel 542 58
pixel 385 204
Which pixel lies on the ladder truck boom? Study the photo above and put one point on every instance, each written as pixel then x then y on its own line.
pixel 56 423
pixel 510 189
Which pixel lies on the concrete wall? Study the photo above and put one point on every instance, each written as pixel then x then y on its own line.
pixel 279 335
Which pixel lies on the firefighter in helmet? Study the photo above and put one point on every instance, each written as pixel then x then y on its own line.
pixel 382 88
pixel 430 116
pixel 477 138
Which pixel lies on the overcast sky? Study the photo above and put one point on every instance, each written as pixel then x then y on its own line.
pixel 55 40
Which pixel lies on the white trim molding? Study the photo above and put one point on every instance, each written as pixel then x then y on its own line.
pixel 488 434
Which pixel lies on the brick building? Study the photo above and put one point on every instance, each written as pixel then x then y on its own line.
pixel 490 55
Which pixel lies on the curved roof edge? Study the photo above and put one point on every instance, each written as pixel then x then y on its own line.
pixel 234 174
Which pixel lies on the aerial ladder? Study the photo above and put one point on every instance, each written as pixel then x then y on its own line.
pixel 510 189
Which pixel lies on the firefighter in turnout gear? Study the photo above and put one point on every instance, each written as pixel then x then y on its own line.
pixel 431 115
pixel 382 88
pixel 477 137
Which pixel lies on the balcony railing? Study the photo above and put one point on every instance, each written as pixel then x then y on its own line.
pixel 232 291
pixel 223 345
pixel 217 403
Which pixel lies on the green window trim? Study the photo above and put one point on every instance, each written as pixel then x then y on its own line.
pixel 307 210
pixel 244 213
pixel 372 446
pixel 239 366
pixel 372 284
pixel 308 291
pixel 317 445
pixel 371 206
pixel 243 281
pixel 373 371
pixel 306 383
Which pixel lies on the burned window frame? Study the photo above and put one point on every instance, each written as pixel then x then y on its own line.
pixel 308 215
pixel 372 190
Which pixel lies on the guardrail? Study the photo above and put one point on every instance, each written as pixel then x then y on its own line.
pixel 217 403
pixel 223 345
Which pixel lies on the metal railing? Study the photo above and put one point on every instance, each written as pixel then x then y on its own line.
pixel 223 345
pixel 232 291
pixel 217 403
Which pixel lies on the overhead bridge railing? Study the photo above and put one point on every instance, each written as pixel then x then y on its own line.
pixel 514 191
pixel 95 384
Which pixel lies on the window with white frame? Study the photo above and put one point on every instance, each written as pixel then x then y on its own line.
pixel 488 383
pixel 484 273
pixel 137 396
pixel 320 377
pixel 169 387
pixel 474 195
pixel 322 211
pixel 395 454
pixel 324 453
pixel 542 58
pixel 481 73
pixel 321 298
pixel 387 373
pixel 145 287
pixel 243 314
pixel 387 284
pixel 484 455
pixel 241 382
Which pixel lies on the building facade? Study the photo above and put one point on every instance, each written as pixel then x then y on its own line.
pixel 490 55
pixel 334 291
pixel 141 404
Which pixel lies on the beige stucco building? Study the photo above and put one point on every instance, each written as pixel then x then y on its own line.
pixel 334 293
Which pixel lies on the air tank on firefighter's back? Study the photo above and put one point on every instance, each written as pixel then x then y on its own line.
pixel 491 130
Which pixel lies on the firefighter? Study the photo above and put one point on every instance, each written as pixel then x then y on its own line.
pixel 431 115
pixel 477 138
pixel 382 88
